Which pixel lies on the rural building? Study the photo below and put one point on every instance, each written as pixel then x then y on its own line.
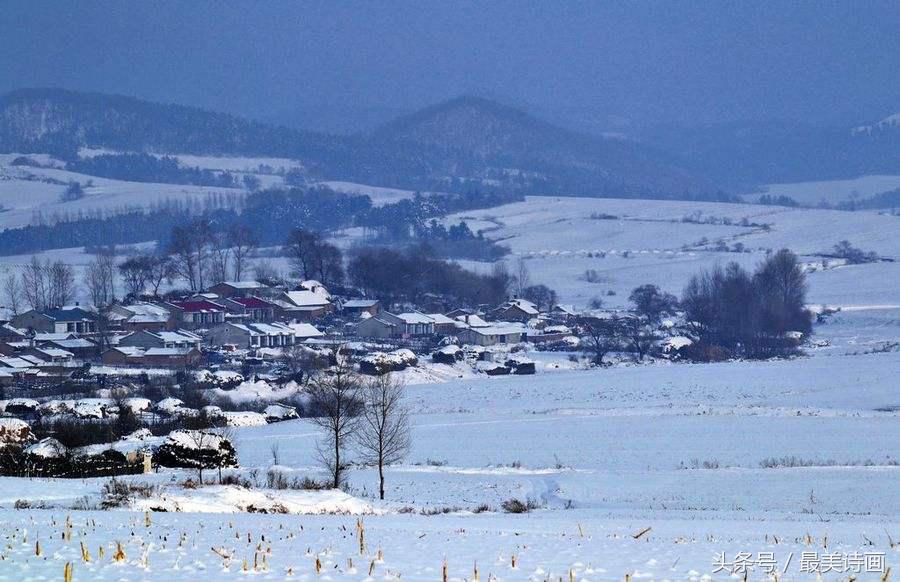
pixel 161 339
pixel 72 320
pixel 228 289
pixel 250 308
pixel 140 316
pixel 197 313
pixel 252 335
pixel 356 307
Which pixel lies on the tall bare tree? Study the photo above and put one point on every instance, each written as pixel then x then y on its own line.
pixel 522 278
pixel 219 257
pixel 100 278
pixel 60 283
pixel 383 437
pixel 34 284
pixel 242 242
pixel 335 405
pixel 12 293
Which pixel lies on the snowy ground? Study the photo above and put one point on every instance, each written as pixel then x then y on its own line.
pixel 831 191
pixel 785 457
pixel 650 243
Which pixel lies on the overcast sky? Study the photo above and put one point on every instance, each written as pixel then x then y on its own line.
pixel 645 62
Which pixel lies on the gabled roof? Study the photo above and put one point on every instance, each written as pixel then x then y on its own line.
pixel 305 330
pixel 360 303
pixel 306 298
pixel 68 314
pixel 198 306
pixel 252 302
pixel 414 317
pixel 526 306
pixel 441 318
pixel 243 284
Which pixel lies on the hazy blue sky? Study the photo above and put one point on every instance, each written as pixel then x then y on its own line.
pixel 314 62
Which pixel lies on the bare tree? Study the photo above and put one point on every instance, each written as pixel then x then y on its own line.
pixel 160 269
pixel 301 246
pixel 219 257
pixel 335 405
pixel 99 279
pixel 60 283
pixel 243 242
pixel 599 336
pixel 189 246
pixel 265 271
pixel 522 278
pixel 135 274
pixel 300 363
pixel 34 284
pixel 12 293
pixel 383 437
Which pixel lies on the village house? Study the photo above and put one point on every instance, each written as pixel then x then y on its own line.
pixel 81 348
pixel 356 307
pixel 401 325
pixel 444 325
pixel 491 335
pixel 196 313
pixel 516 310
pixel 229 289
pixel 252 335
pixel 182 357
pixel 138 316
pixel 71 319
pixel 304 305
pixel 161 339
pixel 250 309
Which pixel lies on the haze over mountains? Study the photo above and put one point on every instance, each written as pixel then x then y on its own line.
pixel 458 144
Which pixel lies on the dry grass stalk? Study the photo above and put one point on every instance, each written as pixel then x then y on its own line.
pixel 361 534
pixel 512 561
pixel 85 554
pixel 371 567
pixel 37 548
pixel 67 572
pixel 444 571
pixel 318 565
pixel 119 556
pixel 641 533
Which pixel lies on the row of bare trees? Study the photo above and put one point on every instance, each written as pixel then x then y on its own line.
pixel 39 285
pixel 366 415
pixel 201 253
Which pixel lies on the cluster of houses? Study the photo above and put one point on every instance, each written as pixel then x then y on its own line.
pixel 246 315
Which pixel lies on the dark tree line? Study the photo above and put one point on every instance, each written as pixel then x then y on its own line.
pixel 150 168
pixel 737 313
pixel 409 274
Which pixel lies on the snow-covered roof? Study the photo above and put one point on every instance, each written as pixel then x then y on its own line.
pixel 523 304
pixel 305 330
pixel 441 318
pixel 413 317
pixel 74 343
pixel 48 448
pixel 498 330
pixel 472 320
pixel 307 298
pixel 244 284
pixel 360 303
pixel 168 351
pixel 53 337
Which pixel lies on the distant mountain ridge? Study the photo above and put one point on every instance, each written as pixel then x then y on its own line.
pixel 463 143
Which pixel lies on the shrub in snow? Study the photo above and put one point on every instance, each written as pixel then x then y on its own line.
pixel 196 449
pixel 14 431
pixel 447 355
pixel 243 419
pixel 21 406
pixel 492 368
pixel 279 412
pixel 378 363
pixel 521 366
pixel 169 406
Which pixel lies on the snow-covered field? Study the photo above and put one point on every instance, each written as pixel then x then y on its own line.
pixel 788 457
pixel 785 457
pixel 831 191
pixel 649 242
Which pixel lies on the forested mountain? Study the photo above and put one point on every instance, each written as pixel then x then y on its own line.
pixel 462 144
pixel 60 121
pixel 483 140
pixel 741 156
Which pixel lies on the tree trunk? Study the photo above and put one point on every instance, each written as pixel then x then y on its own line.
pixel 381 477
pixel 337 460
